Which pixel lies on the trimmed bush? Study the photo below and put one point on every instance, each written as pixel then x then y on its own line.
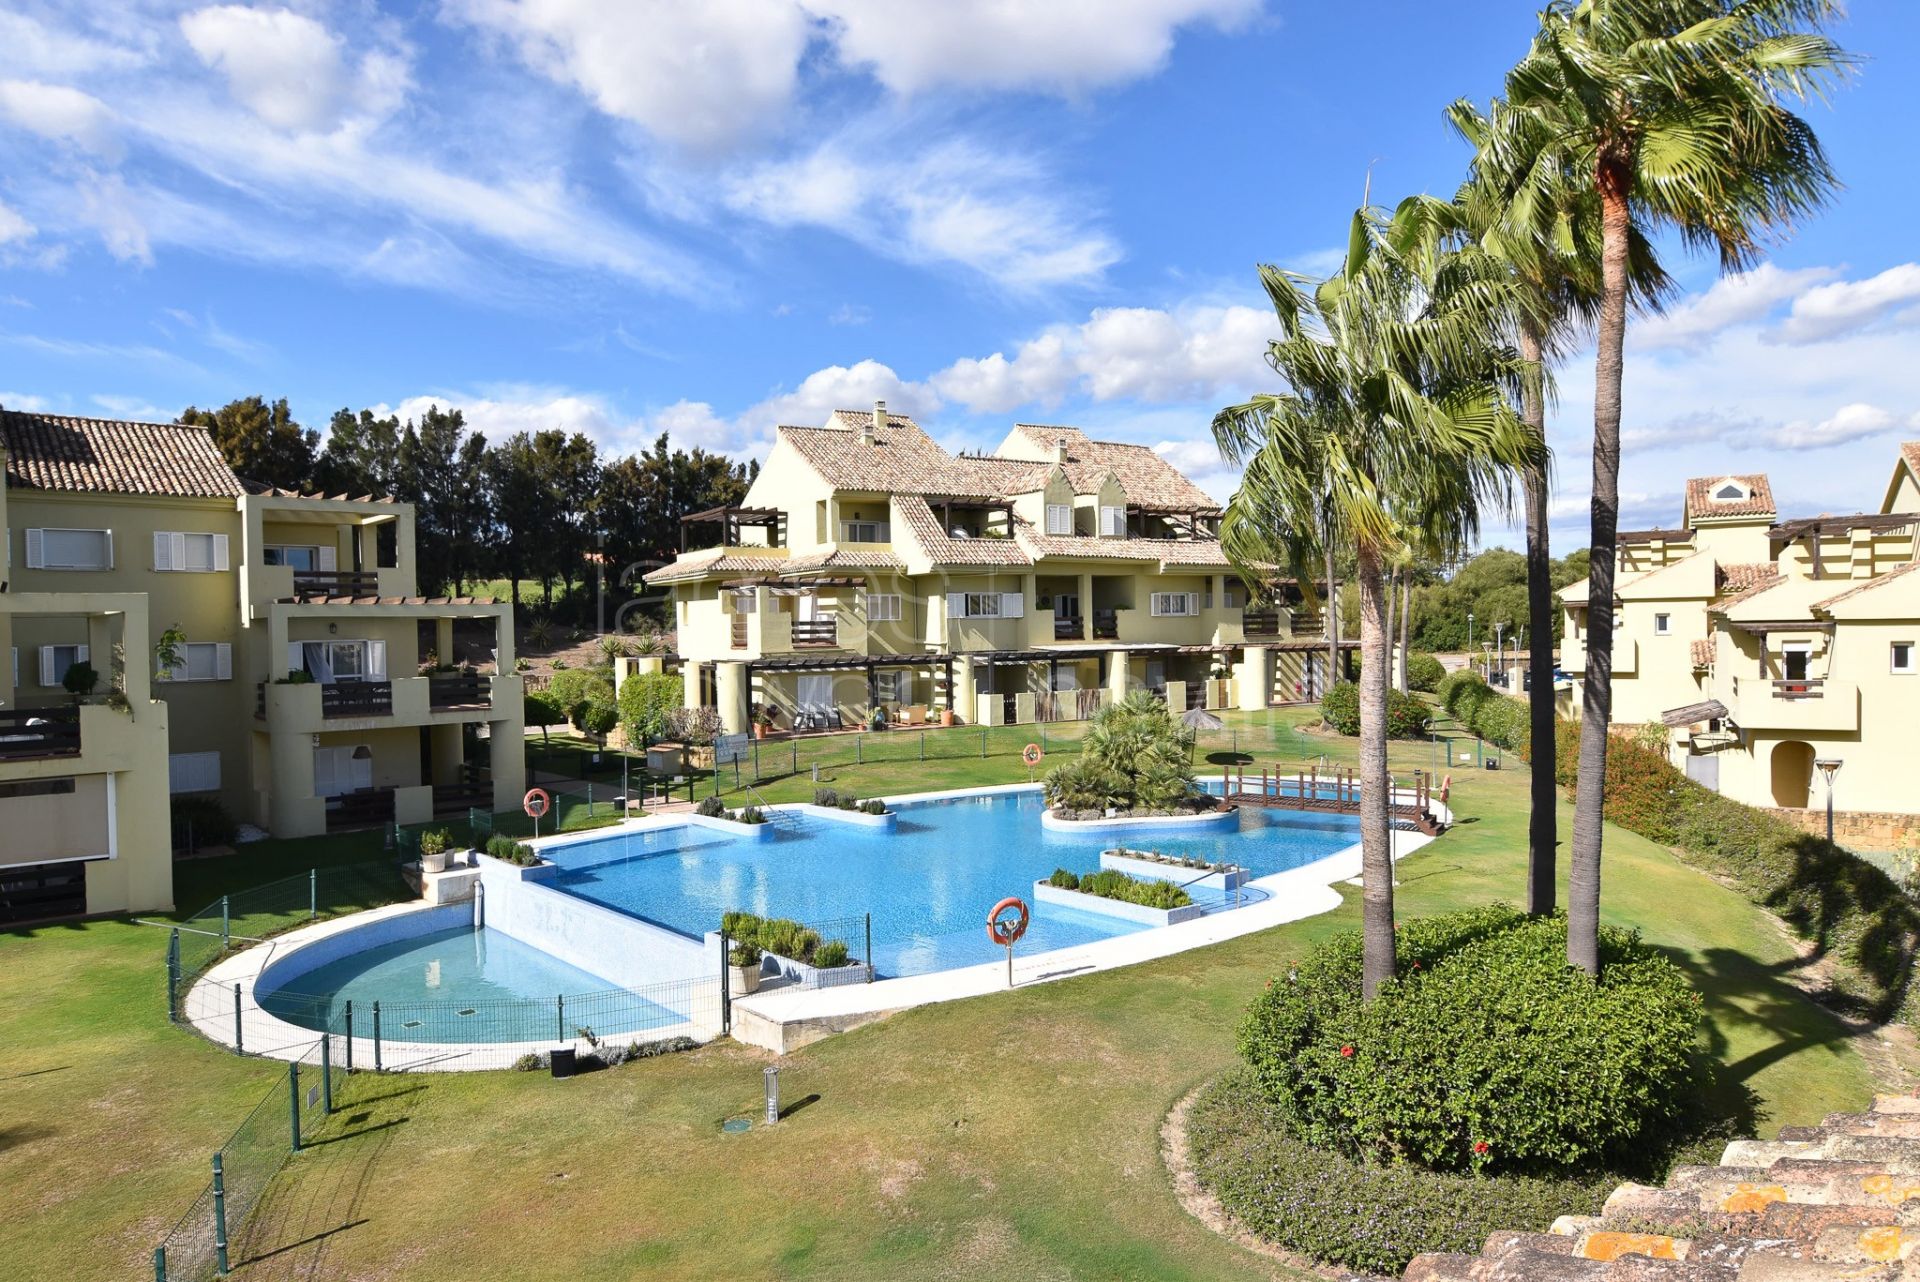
pixel 572 687
pixel 1486 1054
pixel 1407 717
pixel 830 955
pixel 1358 1216
pixel 1110 883
pixel 645 700
pixel 512 851
pixel 1424 672
pixel 711 808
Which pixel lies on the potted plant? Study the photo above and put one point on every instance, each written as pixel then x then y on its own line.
pixel 434 845
pixel 878 721
pixel 763 722
pixel 946 716
pixel 743 968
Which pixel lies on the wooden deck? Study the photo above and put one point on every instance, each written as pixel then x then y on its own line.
pixel 1330 792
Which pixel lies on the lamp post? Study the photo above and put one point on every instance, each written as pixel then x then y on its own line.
pixel 1469 636
pixel 1829 766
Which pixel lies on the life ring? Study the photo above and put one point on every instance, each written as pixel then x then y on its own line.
pixel 1007 932
pixel 536 803
pixel 1446 787
pixel 1031 754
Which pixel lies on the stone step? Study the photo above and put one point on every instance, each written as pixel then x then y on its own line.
pixel 1903 1125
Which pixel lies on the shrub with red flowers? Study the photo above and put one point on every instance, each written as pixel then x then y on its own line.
pixel 1487 1053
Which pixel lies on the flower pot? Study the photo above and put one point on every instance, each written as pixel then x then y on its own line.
pixel 743 979
pixel 759 729
pixel 435 862
pixel 946 716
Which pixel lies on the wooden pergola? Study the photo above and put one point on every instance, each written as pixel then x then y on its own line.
pixel 732 520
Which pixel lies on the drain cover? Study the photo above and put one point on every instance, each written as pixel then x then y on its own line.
pixel 411 1023
pixel 468 1011
pixel 737 1125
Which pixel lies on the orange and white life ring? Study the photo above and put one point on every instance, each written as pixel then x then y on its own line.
pixel 536 803
pixel 1031 754
pixel 1004 931
pixel 1446 787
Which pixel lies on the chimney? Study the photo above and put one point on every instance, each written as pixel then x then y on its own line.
pixel 1060 450
pixel 871 431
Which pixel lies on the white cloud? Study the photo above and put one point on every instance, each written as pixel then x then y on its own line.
pixel 1743 298
pixel 839 387
pixel 35 46
pixel 106 206
pixel 290 70
pixel 12 226
pixel 60 113
pixel 697 75
pixel 1855 422
pixel 1194 352
pixel 1828 311
pixel 1063 46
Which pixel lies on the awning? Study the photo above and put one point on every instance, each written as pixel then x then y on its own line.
pixel 1708 710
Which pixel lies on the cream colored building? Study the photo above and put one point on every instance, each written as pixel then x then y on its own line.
pixel 1763 645
pixel 118 532
pixel 867 568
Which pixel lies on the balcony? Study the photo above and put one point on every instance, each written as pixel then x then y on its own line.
pixel 1261 623
pixel 459 690
pixel 357 699
pixel 1069 627
pixel 332 583
pixel 28 734
pixel 367 808
pixel 815 633
pixel 1805 705
pixel 311 708
pixel 1106 625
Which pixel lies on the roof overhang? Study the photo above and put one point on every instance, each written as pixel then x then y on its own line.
pixel 1689 714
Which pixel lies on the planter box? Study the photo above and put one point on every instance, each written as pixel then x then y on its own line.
pixel 733 827
pixel 1174 873
pixel 834 814
pixel 1045 893
pixel 814 977
pixel 1210 819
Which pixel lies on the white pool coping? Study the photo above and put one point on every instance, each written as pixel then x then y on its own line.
pixel 779 1020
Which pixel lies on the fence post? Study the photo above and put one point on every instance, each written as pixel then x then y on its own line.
pixel 589 798
pixel 795 745
pixel 859 748
pixel 326 1074
pixel 869 957
pixel 226 925
pixel 349 1034
pixel 923 745
pixel 219 1217
pixel 238 1047
pixel 560 1017
pixel 983 743
pixel 293 1103
pixel 726 983
pixel 376 1036
pixel 173 973
pixel 159 1264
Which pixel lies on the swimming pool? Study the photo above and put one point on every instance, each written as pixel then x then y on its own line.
pixel 461 985
pixel 927 882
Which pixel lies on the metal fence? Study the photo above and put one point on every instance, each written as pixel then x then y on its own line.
pixel 851 937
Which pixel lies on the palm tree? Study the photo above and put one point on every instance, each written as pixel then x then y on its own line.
pixel 1393 409
pixel 1543 226
pixel 1674 111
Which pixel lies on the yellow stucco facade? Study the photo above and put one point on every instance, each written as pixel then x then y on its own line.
pixel 1763 646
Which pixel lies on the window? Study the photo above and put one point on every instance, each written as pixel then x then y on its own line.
pixel 203 661
pixel 863 532
pixel 1793 660
pixel 1113 522
pixel 193 772
pixel 200 553
pixel 1662 625
pixel 891 686
pixel 37 788
pixel 303 559
pixel 1174 604
pixel 1059 518
pixel 985 605
pixel 331 661
pixel 1731 490
pixel 70 549
pixel 55 660
pixel 883 607
pixel 1901 657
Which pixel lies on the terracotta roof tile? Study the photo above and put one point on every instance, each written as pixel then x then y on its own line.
pixel 902 456
pixel 1868 586
pixel 1169 552
pixel 1910 453
pixel 942 548
pixel 694 565
pixel 1147 478
pixel 1704 650
pixel 1744 581
pixel 840 560
pixel 106 456
pixel 1701 503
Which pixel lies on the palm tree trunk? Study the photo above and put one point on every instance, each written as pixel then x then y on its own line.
pixel 1332 625
pixel 1542 820
pixel 1596 711
pixel 1387 610
pixel 1406 609
pixel 1376 854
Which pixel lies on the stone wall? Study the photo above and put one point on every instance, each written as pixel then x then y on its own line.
pixel 1858 829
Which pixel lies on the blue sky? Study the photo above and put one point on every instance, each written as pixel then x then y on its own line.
pixel 713 218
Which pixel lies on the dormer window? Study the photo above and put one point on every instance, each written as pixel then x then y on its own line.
pixel 1730 492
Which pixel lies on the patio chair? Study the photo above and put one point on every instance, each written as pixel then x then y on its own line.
pixel 833 720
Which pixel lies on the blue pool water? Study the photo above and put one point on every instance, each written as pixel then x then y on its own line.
pixel 461 985
pixel 928 883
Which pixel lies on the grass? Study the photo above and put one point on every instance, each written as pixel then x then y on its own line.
pixel 1011 1136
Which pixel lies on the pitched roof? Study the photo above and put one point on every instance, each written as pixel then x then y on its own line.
pixel 1910 454
pixel 901 455
pixel 1744 581
pixel 1875 582
pixel 695 565
pixel 108 456
pixel 1168 552
pixel 1704 650
pixel 943 549
pixel 1147 478
pixel 839 560
pixel 1700 502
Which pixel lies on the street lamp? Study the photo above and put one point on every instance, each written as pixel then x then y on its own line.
pixel 1469 634
pixel 1828 766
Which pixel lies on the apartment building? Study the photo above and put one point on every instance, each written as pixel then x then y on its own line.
pixel 305 693
pixel 868 568
pixel 1765 646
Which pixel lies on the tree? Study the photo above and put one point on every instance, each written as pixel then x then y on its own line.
pixel 260 442
pixel 1674 112
pixel 361 457
pixel 543 710
pixel 1134 756
pixel 1394 416
pixel 645 700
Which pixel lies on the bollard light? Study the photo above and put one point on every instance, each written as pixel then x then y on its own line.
pixel 1829 766
pixel 772 1075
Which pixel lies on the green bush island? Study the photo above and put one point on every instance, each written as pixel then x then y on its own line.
pixel 1133 758
pixel 644 702
pixel 784 938
pixel 1486 1054
pixel 711 807
pixel 1110 883
pixel 514 852
pixel 1356 1214
pixel 1424 672
pixel 1407 717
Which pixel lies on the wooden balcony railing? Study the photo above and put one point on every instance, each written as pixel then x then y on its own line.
pixel 1799 687
pixel 336 583
pixel 815 632
pixel 1309 623
pixel 1106 625
pixel 1260 623
pixel 357 699
pixel 362 809
pixel 1069 627
pixel 27 733
pixel 739 631
pixel 459 690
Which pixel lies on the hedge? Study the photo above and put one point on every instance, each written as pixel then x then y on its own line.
pixel 1407 717
pixel 1425 673
pixel 1371 1218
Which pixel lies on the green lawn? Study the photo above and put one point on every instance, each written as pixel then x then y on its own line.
pixel 1011 1136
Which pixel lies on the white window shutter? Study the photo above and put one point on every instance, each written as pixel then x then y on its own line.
pixel 36 549
pixel 47 677
pixel 1193 603
pixel 219 551
pixel 956 605
pixel 223 661
pixel 179 551
pixel 1155 603
pixel 109 534
pixel 163 550
pixel 377 659
pixel 326 561
pixel 1013 605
